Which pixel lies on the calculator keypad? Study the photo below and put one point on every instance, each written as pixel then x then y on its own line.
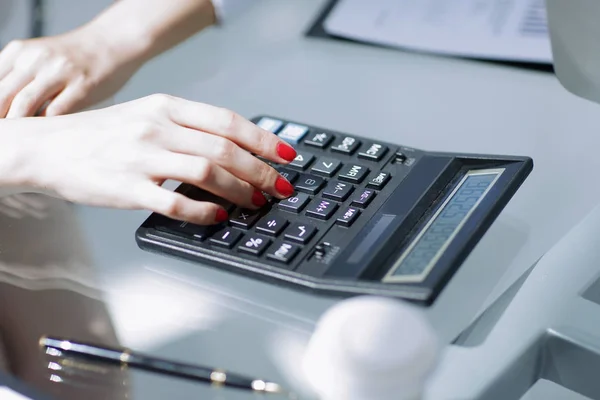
pixel 336 178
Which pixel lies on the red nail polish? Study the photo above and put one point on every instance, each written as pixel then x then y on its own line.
pixel 284 187
pixel 258 199
pixel 286 151
pixel 221 215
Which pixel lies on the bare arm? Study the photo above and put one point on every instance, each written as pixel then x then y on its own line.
pixel 143 29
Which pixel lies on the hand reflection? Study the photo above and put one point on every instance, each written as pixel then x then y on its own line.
pixel 47 286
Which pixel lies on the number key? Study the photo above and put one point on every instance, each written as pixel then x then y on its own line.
pixel 310 184
pixel 295 203
pixel 288 174
pixel 302 160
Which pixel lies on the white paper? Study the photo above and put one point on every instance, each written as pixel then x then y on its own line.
pixel 510 30
pixel 8 394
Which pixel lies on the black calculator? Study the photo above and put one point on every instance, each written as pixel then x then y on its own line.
pixel 367 217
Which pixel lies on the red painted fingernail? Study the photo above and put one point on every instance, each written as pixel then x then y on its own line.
pixel 284 187
pixel 286 151
pixel 258 199
pixel 222 215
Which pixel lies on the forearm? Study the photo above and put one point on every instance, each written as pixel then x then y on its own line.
pixel 139 30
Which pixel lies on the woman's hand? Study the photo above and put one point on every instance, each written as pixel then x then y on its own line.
pixel 69 72
pixel 120 156
pixel 61 74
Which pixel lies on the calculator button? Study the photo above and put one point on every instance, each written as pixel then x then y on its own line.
pixel 293 133
pixel 373 151
pixel 363 197
pixel 283 252
pixel 310 184
pixel 226 237
pixel 379 180
pixel 326 166
pixel 288 174
pixel 353 173
pixel 300 232
pixel 295 203
pixel 399 157
pixel 270 124
pixel 244 218
pixel 319 139
pixel 348 217
pixel 271 224
pixel 254 244
pixel 186 229
pixel 302 160
pixel 346 145
pixel 320 208
pixel 338 191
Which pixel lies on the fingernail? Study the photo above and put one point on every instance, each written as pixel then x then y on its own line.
pixel 258 199
pixel 221 215
pixel 286 151
pixel 284 187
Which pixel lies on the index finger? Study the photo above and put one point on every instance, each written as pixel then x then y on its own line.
pixel 230 125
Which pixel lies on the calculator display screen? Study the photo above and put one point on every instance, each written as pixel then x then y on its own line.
pixel 431 242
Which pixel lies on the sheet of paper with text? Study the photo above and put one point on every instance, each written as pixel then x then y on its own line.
pixel 507 30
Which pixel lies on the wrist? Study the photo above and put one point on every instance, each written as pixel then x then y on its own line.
pixel 121 44
pixel 17 159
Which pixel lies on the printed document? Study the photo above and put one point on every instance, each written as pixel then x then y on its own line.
pixel 507 30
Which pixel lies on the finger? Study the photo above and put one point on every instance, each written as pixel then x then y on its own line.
pixel 10 86
pixel 230 156
pixel 33 96
pixel 206 175
pixel 71 99
pixel 7 57
pixel 179 207
pixel 232 126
